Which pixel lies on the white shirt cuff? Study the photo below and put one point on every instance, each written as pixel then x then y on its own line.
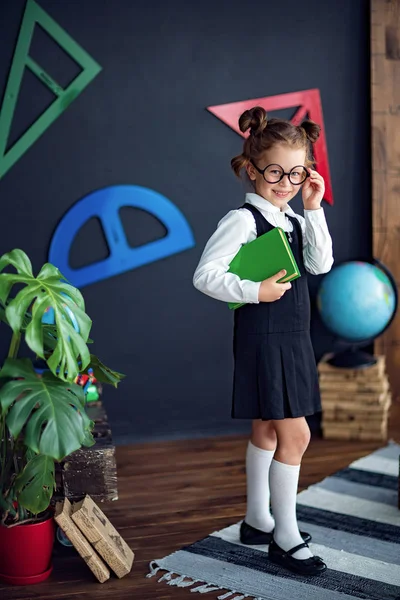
pixel 250 291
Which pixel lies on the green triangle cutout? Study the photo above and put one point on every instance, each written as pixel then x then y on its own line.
pixel 35 14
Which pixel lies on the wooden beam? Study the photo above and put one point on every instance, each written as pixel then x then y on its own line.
pixel 91 470
pixel 385 118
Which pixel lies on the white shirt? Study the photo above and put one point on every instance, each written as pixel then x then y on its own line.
pixel 238 227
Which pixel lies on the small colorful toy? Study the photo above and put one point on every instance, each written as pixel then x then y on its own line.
pixel 85 380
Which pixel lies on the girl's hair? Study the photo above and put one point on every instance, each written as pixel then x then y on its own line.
pixel 264 134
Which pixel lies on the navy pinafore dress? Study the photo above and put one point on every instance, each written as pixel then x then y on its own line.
pixel 275 373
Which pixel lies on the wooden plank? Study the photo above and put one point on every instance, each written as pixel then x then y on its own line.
pixel 337 415
pixel 385 109
pixel 79 541
pixel 351 377
pixel 346 434
pixel 376 370
pixel 376 425
pixel 358 387
pixel 357 405
pixel 103 536
pixel 340 396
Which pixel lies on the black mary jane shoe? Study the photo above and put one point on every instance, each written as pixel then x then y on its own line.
pixel 309 566
pixel 250 536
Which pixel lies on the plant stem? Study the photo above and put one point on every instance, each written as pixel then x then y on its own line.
pixel 14 345
pixel 24 522
pixel 3 453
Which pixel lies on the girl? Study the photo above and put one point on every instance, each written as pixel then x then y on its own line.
pixel 275 375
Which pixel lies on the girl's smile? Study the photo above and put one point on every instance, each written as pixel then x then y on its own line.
pixel 281 194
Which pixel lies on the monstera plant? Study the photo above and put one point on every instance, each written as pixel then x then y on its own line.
pixel 42 411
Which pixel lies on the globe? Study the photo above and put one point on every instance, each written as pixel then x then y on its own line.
pixel 357 302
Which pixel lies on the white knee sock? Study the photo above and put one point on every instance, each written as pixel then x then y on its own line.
pixel 283 482
pixel 258 462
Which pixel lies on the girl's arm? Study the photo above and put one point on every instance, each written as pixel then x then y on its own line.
pixel 211 276
pixel 317 242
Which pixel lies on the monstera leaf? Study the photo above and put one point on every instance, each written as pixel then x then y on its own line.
pixel 50 337
pixel 51 411
pixel 48 290
pixel 36 484
pixel 104 374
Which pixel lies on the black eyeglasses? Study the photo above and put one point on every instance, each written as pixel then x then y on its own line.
pixel 274 173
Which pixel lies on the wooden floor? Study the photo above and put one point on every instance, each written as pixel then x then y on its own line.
pixel 170 495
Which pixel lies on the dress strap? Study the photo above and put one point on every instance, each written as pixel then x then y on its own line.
pixel 299 232
pixel 262 224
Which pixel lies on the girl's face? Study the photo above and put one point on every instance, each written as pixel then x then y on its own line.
pixel 279 194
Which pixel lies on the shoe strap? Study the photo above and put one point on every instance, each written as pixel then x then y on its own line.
pixel 299 547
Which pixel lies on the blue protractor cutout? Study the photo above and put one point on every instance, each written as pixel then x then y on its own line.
pixel 105 205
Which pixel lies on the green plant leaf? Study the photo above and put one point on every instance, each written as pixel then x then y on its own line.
pixel 26 320
pixel 36 484
pixel 50 336
pixel 104 374
pixel 51 411
pixel 48 290
pixel 89 440
pixel 19 260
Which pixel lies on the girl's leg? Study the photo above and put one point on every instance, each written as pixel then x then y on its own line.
pixel 260 451
pixel 293 438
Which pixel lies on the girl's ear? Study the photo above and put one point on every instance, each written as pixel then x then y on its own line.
pixel 251 172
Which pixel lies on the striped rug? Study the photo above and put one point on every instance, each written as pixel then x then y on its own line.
pixel 355 524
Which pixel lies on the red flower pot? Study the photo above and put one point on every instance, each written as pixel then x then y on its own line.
pixel 25 552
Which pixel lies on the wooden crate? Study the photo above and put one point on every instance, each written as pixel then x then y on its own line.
pixel 91 471
pixel 355 402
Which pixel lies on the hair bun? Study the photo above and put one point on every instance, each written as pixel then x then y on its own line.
pixel 254 119
pixel 312 130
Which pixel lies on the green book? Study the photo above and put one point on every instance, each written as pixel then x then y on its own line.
pixel 264 257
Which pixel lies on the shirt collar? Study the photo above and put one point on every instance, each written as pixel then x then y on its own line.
pixel 266 206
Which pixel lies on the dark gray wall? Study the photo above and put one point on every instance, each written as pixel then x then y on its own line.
pixel 143 121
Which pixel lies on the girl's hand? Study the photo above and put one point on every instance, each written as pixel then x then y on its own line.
pixel 270 290
pixel 313 191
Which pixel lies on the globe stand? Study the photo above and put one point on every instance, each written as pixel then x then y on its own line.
pixel 352 359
